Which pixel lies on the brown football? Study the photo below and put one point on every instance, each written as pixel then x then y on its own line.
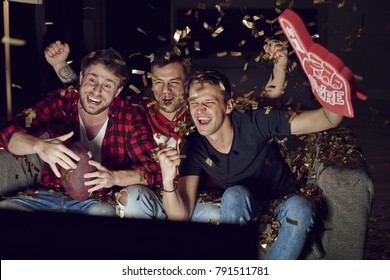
pixel 73 180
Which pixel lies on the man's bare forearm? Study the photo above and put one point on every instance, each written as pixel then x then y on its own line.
pixel 276 83
pixel 66 74
pixel 23 144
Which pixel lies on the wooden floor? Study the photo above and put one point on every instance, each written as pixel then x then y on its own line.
pixel 372 128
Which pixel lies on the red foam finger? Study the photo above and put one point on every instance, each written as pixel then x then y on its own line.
pixel 331 81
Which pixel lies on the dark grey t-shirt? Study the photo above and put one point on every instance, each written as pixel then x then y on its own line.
pixel 254 160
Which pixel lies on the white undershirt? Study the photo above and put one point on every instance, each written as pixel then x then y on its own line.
pixel 95 145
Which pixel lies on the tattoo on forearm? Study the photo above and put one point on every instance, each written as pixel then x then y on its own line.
pixel 67 75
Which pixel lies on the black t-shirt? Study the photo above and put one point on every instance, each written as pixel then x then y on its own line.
pixel 254 160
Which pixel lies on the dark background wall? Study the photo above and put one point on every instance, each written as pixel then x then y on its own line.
pixel 358 31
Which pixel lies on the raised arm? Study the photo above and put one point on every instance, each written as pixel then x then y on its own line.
pixel 56 54
pixel 277 52
pixel 314 121
pixel 178 200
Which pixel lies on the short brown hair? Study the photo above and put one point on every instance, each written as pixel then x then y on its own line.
pixel 109 58
pixel 212 77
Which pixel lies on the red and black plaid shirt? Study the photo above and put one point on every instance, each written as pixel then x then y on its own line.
pixel 127 144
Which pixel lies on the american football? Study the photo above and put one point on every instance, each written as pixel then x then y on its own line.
pixel 73 179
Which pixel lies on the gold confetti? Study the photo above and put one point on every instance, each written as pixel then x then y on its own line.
pixel 279 32
pixel 144 81
pixel 186 32
pixel 209 162
pixel 219 9
pixel 221 87
pixel 134 54
pixel 315 36
pixel 16 86
pixel 206 25
pixel 245 66
pixel 258 34
pixel 137 72
pixel 161 38
pixel 151 57
pixel 177 35
pixel 119 61
pixel 321 1
pixel 30 115
pixel 189 12
pixel 235 53
pixel 193 97
pixel 135 89
pixel 240 44
pixel 271 21
pixel 247 23
pixel 49 23
pixel 196 46
pixel 152 76
pixel 141 176
pixel 92 54
pixel 177 50
pixel 248 94
pixel 358 77
pixel 13 41
pixel 142 31
pixel 221 54
pixel 243 79
pixel 267 109
pixel 217 32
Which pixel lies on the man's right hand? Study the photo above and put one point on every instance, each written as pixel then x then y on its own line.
pixel 169 159
pixel 57 53
pixel 53 151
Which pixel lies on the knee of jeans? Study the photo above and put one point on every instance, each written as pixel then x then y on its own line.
pixel 101 209
pixel 12 205
pixel 132 200
pixel 130 192
pixel 300 210
pixel 234 193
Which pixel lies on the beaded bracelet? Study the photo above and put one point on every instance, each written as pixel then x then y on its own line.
pixel 174 188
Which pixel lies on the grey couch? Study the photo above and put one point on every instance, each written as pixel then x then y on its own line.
pixel 329 162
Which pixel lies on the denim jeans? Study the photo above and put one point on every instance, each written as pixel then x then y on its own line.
pixel 56 201
pixel 295 215
pixel 143 203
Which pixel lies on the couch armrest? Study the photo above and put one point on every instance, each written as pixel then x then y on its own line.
pixel 348 195
pixel 18 173
pixel 339 170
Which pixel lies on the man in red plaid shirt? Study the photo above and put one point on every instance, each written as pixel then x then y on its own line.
pixel 94 114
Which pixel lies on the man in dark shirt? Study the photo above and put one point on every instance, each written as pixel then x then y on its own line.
pixel 237 151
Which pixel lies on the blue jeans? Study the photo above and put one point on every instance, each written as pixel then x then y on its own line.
pixel 143 203
pixel 56 201
pixel 295 215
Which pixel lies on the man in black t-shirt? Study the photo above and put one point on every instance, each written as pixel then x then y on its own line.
pixel 238 152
